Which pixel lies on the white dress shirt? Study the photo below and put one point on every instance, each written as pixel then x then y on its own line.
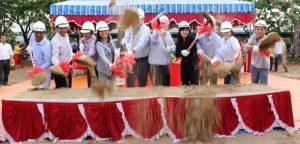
pixel 61 49
pixel 5 51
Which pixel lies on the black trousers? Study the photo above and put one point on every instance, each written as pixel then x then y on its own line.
pixel 227 79
pixel 4 71
pixel 61 81
pixel 189 74
pixel 140 72
pixel 160 75
pixel 271 62
pixel 275 61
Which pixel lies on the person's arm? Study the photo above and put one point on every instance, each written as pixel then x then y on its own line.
pixel 46 50
pixel 250 45
pixel 92 48
pixel 170 45
pixel 126 38
pixel 143 39
pixel 199 46
pixel 236 49
pixel 55 52
pixel 217 45
pixel 102 56
pixel 11 54
pixel 178 50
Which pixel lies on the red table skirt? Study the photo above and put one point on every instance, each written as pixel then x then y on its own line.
pixel 141 118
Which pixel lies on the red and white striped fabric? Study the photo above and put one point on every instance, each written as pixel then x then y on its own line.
pixel 73 121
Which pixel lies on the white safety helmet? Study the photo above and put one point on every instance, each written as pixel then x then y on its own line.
pixel 183 24
pixel 261 23
pixel 226 27
pixel 87 27
pixel 39 26
pixel 101 26
pixel 141 13
pixel 61 21
pixel 164 19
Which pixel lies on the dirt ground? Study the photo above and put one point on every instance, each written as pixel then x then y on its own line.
pixel 19 74
pixel 294 71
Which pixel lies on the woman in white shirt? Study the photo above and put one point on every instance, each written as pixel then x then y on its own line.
pixel 229 51
pixel 105 48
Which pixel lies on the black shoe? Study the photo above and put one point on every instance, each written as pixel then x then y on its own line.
pixel 6 84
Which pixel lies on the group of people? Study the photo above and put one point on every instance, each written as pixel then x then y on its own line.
pixel 151 49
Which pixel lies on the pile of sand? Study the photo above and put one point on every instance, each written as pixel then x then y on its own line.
pixel 119 93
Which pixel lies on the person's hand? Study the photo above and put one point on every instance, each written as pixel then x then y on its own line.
pixel 128 46
pixel 214 62
pixel 110 66
pixel 185 53
pixel 255 48
pixel 237 57
pixel 117 53
pixel 200 52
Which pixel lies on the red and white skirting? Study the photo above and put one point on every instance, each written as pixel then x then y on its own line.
pixel 104 120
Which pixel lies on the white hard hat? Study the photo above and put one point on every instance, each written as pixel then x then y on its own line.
pixel 164 19
pixel 183 24
pixel 141 13
pixel 87 27
pixel 226 27
pixel 260 23
pixel 101 26
pixel 61 21
pixel 39 26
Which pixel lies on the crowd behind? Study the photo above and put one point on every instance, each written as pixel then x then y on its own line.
pixel 152 50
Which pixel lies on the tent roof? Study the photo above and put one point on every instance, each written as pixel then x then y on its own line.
pixel 100 7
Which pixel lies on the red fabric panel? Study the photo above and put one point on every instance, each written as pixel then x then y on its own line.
pixel 175 115
pixel 22 120
pixel 105 119
pixel 256 112
pixel 144 116
pixel 240 18
pixel 64 120
pixel 175 74
pixel 283 105
pixel 229 120
pixel 247 64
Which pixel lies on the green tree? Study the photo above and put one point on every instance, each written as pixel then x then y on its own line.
pixel 25 12
pixel 281 16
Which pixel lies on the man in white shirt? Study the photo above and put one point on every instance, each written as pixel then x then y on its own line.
pixel 137 39
pixel 40 52
pixel 279 55
pixel 228 51
pixel 6 56
pixel 208 44
pixel 260 65
pixel 61 50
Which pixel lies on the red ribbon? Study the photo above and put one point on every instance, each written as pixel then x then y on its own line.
pixel 116 70
pixel 36 70
pixel 77 55
pixel 123 64
pixel 204 28
pixel 66 67
pixel 78 66
pixel 265 52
